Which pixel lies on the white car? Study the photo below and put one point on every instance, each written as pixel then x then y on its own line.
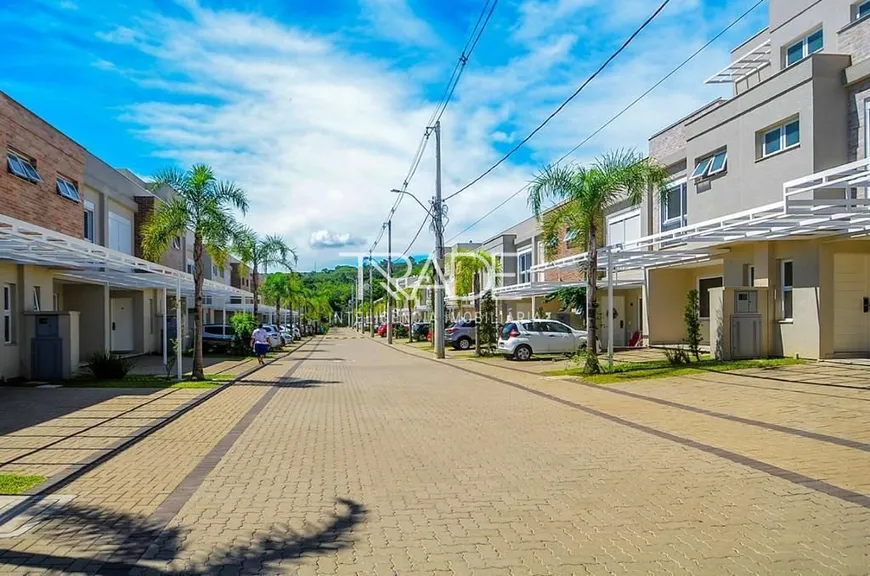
pixel 273 335
pixel 523 338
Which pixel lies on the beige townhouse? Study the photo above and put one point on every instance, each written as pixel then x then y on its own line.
pixel 767 206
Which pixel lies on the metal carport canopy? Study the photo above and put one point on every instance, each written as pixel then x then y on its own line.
pixel 79 260
pixel 799 214
pixel 529 289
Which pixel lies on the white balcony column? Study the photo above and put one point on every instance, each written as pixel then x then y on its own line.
pixel 165 328
pixel 178 343
pixel 224 318
pixel 610 282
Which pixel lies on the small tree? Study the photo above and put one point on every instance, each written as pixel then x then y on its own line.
pixel 488 330
pixel 691 316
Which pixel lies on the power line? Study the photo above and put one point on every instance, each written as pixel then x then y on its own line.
pixel 417 235
pixel 565 103
pixel 621 112
pixel 467 50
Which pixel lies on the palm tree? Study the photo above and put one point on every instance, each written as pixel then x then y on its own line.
pixel 583 196
pixel 469 269
pixel 263 251
pixel 203 206
pixel 277 289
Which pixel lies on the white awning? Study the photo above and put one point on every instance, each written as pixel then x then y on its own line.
pixel 82 261
pixel 750 63
pixel 529 289
pixel 822 204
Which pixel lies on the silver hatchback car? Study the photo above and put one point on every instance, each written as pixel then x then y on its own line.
pixel 523 338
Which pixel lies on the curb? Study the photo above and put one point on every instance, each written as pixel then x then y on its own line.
pixel 63 479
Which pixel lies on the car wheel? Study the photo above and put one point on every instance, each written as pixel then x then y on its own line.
pixel 523 353
pixel 464 344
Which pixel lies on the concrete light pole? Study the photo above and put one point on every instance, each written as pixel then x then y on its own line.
pixel 389 281
pixel 439 248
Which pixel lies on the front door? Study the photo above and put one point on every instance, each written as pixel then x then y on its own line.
pixel 851 313
pixel 618 323
pixel 122 324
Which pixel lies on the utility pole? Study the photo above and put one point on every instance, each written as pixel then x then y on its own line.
pixel 439 248
pixel 389 280
pixel 371 299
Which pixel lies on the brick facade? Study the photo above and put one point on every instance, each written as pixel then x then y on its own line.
pixel 565 274
pixel 173 257
pixel 53 154
pixel 855 40
pixel 859 94
pixel 667 143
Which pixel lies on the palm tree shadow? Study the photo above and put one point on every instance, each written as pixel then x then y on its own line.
pixel 134 537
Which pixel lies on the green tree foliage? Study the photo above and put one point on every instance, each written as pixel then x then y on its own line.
pixel 582 197
pixel 470 268
pixel 243 326
pixel 691 317
pixel 203 206
pixel 488 328
pixel 262 251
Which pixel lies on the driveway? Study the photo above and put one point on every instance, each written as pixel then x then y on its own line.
pixel 354 458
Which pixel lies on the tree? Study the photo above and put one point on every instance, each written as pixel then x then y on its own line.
pixel 203 206
pixel 277 289
pixel 583 196
pixel 257 251
pixel 469 269
pixel 488 329
pixel 691 316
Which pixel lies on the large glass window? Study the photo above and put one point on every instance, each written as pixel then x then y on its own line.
pixel 67 189
pixel 786 280
pixel 674 206
pixel 90 214
pixel 704 286
pixel 8 313
pixel 862 9
pixel 623 228
pixel 711 165
pixel 804 47
pixel 22 167
pixel 781 138
pixel 524 266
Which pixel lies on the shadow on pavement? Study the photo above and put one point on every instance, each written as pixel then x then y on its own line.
pixel 288 383
pixel 136 538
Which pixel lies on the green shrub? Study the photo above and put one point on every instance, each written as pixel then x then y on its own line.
pixel 691 316
pixel 243 325
pixel 677 356
pixel 108 366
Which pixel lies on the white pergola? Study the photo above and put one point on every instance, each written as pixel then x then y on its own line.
pixel 756 59
pixel 80 261
pixel 530 289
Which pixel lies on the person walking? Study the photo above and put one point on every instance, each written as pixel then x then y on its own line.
pixel 260 343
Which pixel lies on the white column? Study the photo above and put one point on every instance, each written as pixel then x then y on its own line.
pixel 179 343
pixel 224 318
pixel 609 310
pixel 165 334
pixel 107 311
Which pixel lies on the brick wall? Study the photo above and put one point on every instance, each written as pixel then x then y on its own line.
pixel 173 257
pixel 238 280
pixel 564 274
pixel 855 41
pixel 53 154
pixel 668 142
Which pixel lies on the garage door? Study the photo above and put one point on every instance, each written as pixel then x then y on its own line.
pixel 851 286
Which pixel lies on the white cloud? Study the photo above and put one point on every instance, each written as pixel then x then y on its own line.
pixel 395 20
pixel 318 134
pixel 327 239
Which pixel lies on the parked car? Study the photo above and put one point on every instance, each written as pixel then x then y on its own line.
pixel 522 339
pixel 420 331
pixel 217 337
pixel 460 334
pixel 274 336
pixel 286 334
pixel 382 330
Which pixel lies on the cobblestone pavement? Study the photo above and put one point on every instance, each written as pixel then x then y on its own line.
pixel 351 458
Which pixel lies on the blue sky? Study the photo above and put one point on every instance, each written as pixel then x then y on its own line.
pixel 316 107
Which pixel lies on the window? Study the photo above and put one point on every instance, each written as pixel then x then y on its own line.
pixel 151 315
pixel 214 271
pixel 704 286
pixel 222 273
pixel 190 266
pixel 67 189
pixel 781 138
pixel 804 47
pixel 674 207
pixel 120 234
pixel 862 9
pixel 524 265
pixel 8 313
pixel 557 327
pixel 90 211
pixel 55 302
pixel 570 238
pixel 37 299
pixel 711 165
pixel 786 281
pixel 623 227
pixel 748 275
pixel 176 243
pixel 22 167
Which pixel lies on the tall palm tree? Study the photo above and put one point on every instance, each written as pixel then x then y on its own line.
pixel 583 196
pixel 202 205
pixel 470 267
pixel 277 289
pixel 256 251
